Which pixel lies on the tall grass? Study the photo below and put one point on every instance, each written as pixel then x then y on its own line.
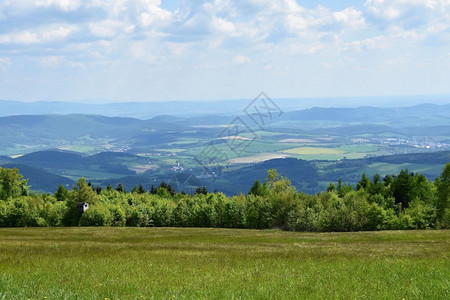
pixel 178 263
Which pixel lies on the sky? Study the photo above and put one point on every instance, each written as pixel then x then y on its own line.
pixel 152 50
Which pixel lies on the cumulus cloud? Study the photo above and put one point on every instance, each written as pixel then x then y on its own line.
pixel 55 32
pixel 24 7
pixel 153 14
pixel 277 34
pixel 409 13
pixel 66 5
pixel 350 18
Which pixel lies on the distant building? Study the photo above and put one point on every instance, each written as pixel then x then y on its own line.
pixel 82 207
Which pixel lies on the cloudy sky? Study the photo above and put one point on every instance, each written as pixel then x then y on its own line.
pixel 152 50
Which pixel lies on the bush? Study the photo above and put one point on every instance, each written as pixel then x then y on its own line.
pixel 377 218
pixel 118 217
pixel 423 215
pixel 96 216
pixel 305 216
pixel 134 217
pixel 402 222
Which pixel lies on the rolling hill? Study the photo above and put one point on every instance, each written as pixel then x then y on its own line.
pixel 47 169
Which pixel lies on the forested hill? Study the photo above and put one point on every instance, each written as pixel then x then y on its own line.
pixel 47 169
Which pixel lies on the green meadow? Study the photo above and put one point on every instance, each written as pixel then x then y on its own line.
pixel 192 263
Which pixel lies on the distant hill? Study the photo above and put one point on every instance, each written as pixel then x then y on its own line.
pixel 440 157
pixel 187 109
pixel 140 110
pixel 307 176
pixel 109 150
pixel 52 159
pixel 29 133
pixel 371 114
pixel 5 160
pixel 66 162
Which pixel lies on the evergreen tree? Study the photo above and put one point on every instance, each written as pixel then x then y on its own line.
pixel 153 190
pixel 61 193
pixel 443 202
pixel 120 188
pixel 141 189
pixel 364 183
pixel 258 189
pixel 201 190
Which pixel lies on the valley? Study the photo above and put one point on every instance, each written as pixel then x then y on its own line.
pixel 219 151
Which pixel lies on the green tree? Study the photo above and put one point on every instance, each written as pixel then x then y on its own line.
pixel 258 189
pixel 443 201
pixel 166 187
pixel 120 188
pixel 201 190
pixel 141 189
pixel 364 183
pixel 12 184
pixel 96 216
pixel 61 193
pixel 331 187
pixel 343 189
pixel 272 177
pixel 402 187
pixel 82 192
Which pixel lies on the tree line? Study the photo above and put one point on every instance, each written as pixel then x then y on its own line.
pixel 402 201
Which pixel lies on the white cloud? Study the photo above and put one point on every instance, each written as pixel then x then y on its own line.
pixel 213 35
pixel 351 18
pixel 409 12
pixel 152 14
pixel 5 63
pixel 107 28
pixel 223 26
pixel 240 59
pixel 66 5
pixel 23 7
pixel 55 32
pixel 375 43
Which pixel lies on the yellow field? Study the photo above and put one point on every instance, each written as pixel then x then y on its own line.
pixel 313 150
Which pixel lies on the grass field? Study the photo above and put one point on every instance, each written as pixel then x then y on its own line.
pixel 176 263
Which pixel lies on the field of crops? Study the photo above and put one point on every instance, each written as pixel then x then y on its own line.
pixel 188 263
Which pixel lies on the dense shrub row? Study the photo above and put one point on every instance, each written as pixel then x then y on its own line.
pixel 403 201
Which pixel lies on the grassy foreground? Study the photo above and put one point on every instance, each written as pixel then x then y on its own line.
pixel 191 263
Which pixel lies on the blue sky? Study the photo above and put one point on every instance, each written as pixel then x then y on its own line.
pixel 151 50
